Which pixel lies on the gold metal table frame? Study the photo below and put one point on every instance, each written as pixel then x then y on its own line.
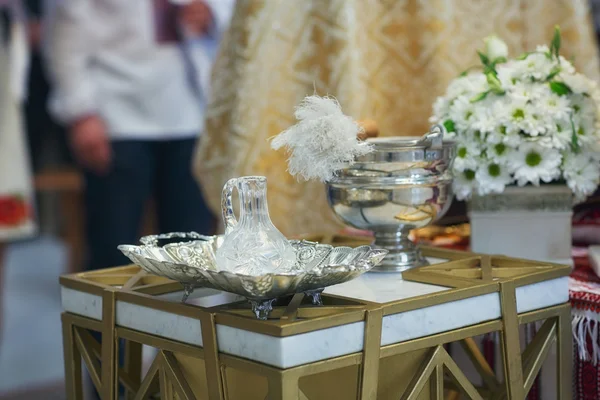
pixel 415 369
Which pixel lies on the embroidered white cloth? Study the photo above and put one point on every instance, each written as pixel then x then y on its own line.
pixel 16 193
pixel 584 293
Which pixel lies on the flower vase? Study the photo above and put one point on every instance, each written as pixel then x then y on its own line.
pixel 531 222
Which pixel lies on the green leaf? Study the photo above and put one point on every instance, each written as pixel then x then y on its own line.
pixel 449 125
pixel 523 56
pixel 490 70
pixel 560 88
pixel 480 96
pixel 499 60
pixel 466 71
pixel 555 44
pixel 492 79
pixel 484 59
pixel 574 139
pixel 494 83
pixel 555 71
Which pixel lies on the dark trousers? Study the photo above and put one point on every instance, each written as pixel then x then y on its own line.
pixel 115 202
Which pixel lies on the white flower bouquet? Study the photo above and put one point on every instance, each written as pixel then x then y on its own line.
pixel 528 120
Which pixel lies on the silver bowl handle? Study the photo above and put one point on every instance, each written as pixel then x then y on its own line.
pixel 435 136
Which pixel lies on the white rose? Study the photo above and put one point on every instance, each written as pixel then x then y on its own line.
pixel 495 48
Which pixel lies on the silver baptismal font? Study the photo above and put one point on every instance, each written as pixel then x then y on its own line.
pixel 403 184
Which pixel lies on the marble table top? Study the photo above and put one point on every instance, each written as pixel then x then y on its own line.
pixel 290 351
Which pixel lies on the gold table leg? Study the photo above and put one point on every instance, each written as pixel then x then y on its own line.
pixel 166 390
pixel 214 378
pixel 283 387
pixel 110 356
pixel 511 348
pixel 133 364
pixel 564 359
pixel 74 387
pixel 370 367
pixel 437 383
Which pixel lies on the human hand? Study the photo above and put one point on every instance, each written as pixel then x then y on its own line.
pixel 34 32
pixel 90 144
pixel 196 17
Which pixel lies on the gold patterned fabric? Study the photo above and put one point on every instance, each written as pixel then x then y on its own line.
pixel 382 59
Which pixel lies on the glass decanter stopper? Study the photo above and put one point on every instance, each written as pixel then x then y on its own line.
pixel 252 245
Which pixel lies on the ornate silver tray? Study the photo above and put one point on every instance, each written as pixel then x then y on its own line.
pixel 193 264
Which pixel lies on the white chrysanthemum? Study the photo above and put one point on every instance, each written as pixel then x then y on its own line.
pixel 559 136
pixel 524 124
pixel 527 91
pixel 483 118
pixel 498 152
pixel 492 178
pixel 583 106
pixel 463 184
pixel 585 129
pixel 508 75
pixel 466 85
pixel 461 112
pixel 323 141
pixel 468 153
pixel 502 135
pixel 566 66
pixel 536 66
pixel 496 136
pixel 555 107
pixel 542 48
pixel 582 173
pixel 532 163
pixel 578 83
pixel 441 107
pixel 519 115
pixel 512 139
pixel 594 147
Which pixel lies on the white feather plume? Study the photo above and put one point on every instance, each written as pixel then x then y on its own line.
pixel 323 142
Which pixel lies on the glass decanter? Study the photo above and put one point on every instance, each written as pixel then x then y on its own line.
pixel 252 245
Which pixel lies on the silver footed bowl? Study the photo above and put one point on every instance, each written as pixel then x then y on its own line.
pixel 193 264
pixel 404 184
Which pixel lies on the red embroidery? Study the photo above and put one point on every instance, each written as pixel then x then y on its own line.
pixel 13 211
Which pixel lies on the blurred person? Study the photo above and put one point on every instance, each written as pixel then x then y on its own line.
pixel 16 214
pixel 43 132
pixel 383 60
pixel 130 78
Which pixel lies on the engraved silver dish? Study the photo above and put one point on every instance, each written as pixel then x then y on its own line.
pixel 405 183
pixel 193 264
